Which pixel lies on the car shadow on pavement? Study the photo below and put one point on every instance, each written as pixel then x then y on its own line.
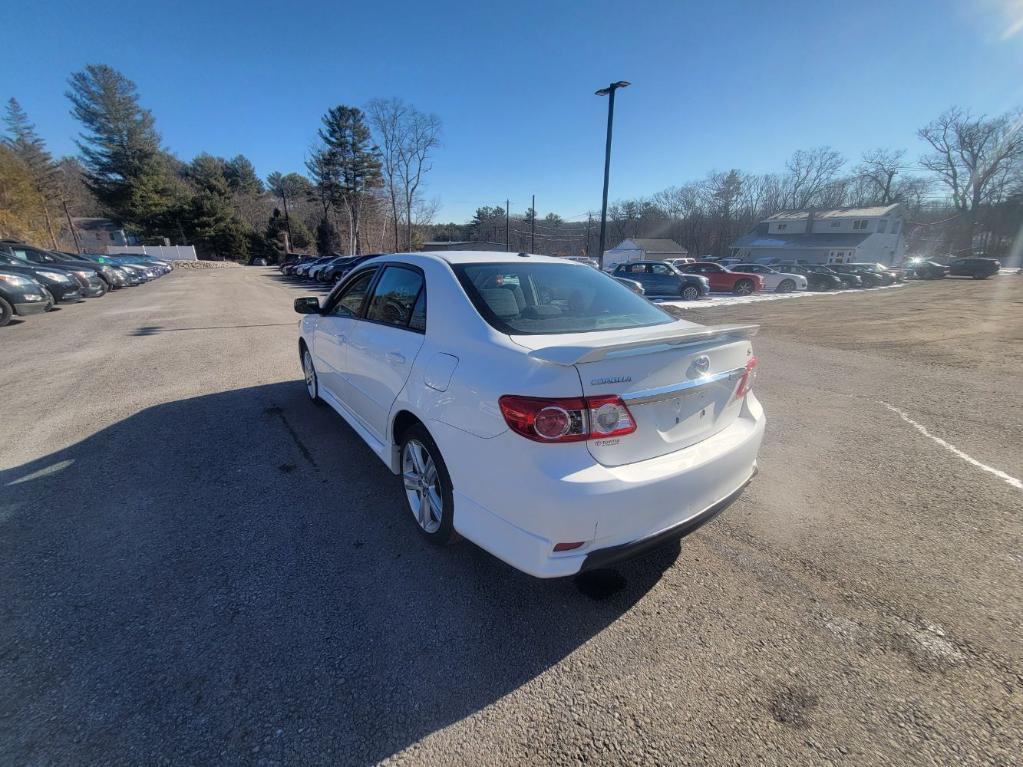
pixel 235 578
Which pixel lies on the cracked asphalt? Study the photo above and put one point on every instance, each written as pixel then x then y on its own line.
pixel 198 566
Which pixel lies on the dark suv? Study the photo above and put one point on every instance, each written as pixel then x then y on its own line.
pixel 20 294
pixel 977 268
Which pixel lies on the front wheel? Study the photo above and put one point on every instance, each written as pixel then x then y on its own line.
pixel 786 286
pixel 312 383
pixel 743 288
pixel 51 300
pixel 427 486
pixel 979 276
pixel 690 293
pixel 6 312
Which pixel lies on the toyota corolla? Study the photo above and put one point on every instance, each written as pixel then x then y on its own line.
pixel 536 406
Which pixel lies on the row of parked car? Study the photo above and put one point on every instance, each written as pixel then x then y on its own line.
pixel 34 280
pixel 325 269
pixel 689 280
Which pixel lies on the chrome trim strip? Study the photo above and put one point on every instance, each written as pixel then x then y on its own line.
pixel 644 396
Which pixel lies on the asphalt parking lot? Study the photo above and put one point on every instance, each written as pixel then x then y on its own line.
pixel 198 565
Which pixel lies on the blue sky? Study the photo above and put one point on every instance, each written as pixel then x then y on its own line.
pixel 716 85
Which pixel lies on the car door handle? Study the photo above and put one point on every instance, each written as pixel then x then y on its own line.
pixel 395 358
pixel 339 337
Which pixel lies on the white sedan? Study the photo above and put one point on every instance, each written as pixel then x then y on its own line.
pixel 778 282
pixel 535 405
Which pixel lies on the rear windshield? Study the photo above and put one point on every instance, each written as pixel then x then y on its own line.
pixel 554 298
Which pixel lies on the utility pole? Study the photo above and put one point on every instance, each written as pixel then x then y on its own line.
pixel 609 91
pixel 507 228
pixel 532 226
pixel 74 234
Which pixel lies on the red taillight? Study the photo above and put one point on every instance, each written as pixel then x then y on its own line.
pixel 567 419
pixel 746 382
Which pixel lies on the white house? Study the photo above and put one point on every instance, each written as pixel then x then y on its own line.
pixel 644 249
pixel 843 235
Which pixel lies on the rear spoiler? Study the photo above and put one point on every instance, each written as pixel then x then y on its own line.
pixel 649 340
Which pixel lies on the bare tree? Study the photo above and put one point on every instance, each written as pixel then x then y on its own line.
pixel 975 158
pixel 879 167
pixel 422 138
pixel 387 117
pixel 407 138
pixel 810 172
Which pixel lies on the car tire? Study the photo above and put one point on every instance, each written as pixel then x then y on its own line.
pixel 312 382
pixel 6 312
pixel 689 293
pixel 786 286
pixel 979 276
pixel 51 300
pixel 427 484
pixel 743 288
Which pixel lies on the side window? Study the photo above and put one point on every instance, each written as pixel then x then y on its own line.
pixel 351 300
pixel 395 296
pixel 660 269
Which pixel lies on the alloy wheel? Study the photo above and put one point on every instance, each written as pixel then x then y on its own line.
pixel 310 374
pixel 690 293
pixel 422 488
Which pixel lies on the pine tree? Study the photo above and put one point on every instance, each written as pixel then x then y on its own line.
pixel 212 223
pixel 120 148
pixel 327 239
pixel 43 173
pixel 241 176
pixel 351 161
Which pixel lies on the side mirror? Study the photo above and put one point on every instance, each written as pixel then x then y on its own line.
pixel 307 305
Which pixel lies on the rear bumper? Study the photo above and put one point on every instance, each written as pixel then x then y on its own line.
pixel 559 494
pixel 615 554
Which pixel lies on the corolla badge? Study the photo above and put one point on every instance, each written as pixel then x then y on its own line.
pixel 610 380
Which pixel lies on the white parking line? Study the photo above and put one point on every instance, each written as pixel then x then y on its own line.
pixel 729 300
pixel 953 449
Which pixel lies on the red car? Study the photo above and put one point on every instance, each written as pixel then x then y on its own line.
pixel 723 280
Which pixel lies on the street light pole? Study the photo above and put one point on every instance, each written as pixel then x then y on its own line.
pixel 609 91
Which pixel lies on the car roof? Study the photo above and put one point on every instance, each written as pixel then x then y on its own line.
pixel 488 257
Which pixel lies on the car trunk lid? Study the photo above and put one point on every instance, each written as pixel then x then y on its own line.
pixel 678 381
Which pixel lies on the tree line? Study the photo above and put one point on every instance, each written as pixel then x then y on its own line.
pixel 363 187
pixel 363 191
pixel 963 194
